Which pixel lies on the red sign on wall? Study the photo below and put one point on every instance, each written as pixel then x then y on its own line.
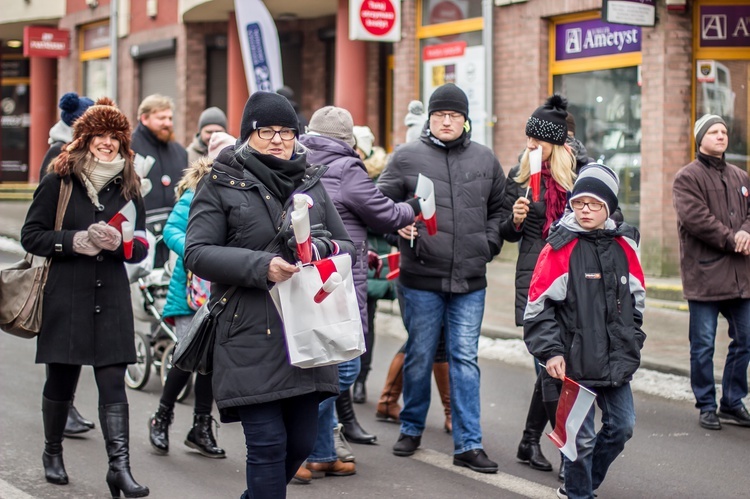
pixel 375 20
pixel 44 41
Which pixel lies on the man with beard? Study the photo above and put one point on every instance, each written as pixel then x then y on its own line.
pixel 159 161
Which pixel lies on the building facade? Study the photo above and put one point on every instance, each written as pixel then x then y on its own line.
pixel 635 91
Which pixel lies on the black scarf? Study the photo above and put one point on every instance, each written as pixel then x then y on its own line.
pixel 280 176
pixel 713 161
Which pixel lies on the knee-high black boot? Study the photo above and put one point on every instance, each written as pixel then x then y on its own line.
pixel 114 419
pixel 54 416
pixel 352 430
pixel 529 450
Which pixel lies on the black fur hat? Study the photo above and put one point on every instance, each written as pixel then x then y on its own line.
pixel 548 122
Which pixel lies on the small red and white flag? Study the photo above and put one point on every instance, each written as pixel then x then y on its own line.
pixel 127 239
pixel 394 261
pixel 535 174
pixel 301 227
pixel 425 191
pixel 574 404
pixel 126 213
pixel 330 276
pixel 124 221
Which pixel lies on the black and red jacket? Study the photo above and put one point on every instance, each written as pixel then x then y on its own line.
pixel 586 303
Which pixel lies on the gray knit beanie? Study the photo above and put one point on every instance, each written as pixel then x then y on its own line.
pixel 212 116
pixel 334 122
pixel 703 124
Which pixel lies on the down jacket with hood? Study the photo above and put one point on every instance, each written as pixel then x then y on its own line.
pixel 233 218
pixel 469 184
pixel 174 237
pixel 358 201
pixel 586 303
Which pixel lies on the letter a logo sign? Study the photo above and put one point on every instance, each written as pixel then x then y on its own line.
pixel 573 41
pixel 714 27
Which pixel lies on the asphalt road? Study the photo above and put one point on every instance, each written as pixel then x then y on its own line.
pixel 669 456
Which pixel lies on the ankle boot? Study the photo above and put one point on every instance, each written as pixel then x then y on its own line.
pixel 158 433
pixel 442 378
pixel 352 429
pixel 343 450
pixel 54 416
pixel 388 409
pixel 529 450
pixel 115 422
pixel 201 438
pixel 76 424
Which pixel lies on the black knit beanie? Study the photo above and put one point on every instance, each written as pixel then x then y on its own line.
pixel 548 122
pixel 267 109
pixel 449 97
pixel 599 182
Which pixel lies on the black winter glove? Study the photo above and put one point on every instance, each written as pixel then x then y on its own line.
pixel 319 236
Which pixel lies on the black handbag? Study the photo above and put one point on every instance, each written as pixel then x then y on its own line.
pixel 195 352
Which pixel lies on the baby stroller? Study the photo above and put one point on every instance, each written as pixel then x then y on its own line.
pixel 148 292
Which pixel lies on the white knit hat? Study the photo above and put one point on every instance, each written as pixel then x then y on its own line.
pixel 364 139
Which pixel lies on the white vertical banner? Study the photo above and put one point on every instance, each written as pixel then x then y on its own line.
pixel 259 41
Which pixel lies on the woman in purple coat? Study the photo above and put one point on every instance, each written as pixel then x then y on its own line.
pixel 330 141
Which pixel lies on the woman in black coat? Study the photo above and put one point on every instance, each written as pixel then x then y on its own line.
pixel 528 223
pixel 87 316
pixel 237 236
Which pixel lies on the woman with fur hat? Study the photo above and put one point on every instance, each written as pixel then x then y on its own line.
pixel 88 318
pixel 528 223
pixel 176 309
pixel 239 238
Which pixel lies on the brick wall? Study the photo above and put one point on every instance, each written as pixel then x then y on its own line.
pixel 665 146
pixel 404 70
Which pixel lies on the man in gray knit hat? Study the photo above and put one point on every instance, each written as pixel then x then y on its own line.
pixel 212 120
pixel 711 197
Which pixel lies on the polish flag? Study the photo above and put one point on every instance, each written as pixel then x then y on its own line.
pixel 330 277
pixel 127 213
pixel 535 169
pixel 301 227
pixel 425 191
pixel 394 262
pixel 127 239
pixel 572 408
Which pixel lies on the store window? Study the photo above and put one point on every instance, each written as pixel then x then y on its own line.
pixel 601 80
pixel 16 119
pixel 451 51
pixel 94 57
pixel 722 72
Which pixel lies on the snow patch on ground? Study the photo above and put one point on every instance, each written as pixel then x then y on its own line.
pixel 9 245
pixel 514 352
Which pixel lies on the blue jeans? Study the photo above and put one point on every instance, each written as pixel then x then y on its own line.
pixel 324 450
pixel 704 317
pixel 278 437
pixel 597 451
pixel 424 313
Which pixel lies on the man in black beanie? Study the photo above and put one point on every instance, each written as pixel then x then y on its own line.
pixel 444 275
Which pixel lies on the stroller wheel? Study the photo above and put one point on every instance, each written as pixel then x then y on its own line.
pixel 136 375
pixel 166 366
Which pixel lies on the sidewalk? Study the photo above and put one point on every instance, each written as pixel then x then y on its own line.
pixel 665 323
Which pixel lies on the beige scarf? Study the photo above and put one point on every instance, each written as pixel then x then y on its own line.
pixel 97 173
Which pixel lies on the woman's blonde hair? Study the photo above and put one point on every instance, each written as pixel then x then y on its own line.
pixel 561 164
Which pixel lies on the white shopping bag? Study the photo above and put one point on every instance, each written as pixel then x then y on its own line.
pixel 318 307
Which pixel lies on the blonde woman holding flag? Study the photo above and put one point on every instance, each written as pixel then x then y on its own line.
pixel 530 206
